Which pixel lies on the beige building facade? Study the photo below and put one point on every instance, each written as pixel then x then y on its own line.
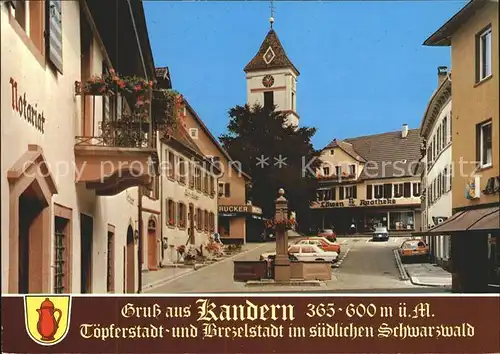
pixel 232 185
pixel 70 219
pixel 189 193
pixel 472 34
pixel 370 181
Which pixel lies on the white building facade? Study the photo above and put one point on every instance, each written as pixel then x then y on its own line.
pixel 69 213
pixel 436 179
pixel 272 78
pixel 188 191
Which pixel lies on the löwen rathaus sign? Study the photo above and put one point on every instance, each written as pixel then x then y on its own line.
pixel 327 204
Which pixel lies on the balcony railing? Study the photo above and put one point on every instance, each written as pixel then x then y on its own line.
pixel 115 114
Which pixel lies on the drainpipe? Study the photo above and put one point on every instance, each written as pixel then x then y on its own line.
pixel 141 231
pixel 139 192
pixel 137 39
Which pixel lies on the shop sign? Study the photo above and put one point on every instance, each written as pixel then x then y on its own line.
pixel 241 209
pixel 191 195
pixel 351 203
pixel 26 109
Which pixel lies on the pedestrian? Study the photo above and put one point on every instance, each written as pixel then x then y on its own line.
pixel 353 229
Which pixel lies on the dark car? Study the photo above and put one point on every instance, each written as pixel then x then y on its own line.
pixel 380 234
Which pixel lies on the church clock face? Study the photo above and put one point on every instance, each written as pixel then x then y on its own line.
pixel 268 81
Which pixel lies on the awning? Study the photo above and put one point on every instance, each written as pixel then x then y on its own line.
pixel 485 219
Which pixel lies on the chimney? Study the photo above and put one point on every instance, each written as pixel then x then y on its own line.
pixel 404 131
pixel 442 74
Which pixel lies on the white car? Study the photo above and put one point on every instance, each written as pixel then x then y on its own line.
pixel 307 253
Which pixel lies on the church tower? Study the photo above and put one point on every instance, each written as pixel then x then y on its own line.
pixel 271 77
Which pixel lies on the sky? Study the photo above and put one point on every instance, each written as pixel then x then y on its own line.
pixel 363 68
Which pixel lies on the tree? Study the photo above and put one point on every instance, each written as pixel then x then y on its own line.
pixel 276 156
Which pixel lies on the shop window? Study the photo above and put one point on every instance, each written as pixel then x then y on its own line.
pixel 401 220
pixel 110 262
pixel 170 212
pixel 182 170
pixel 378 191
pixel 484 145
pixel 398 190
pixel 417 189
pixel 224 227
pixel 374 220
pixel 61 261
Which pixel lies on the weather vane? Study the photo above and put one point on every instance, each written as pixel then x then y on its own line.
pixel 271 19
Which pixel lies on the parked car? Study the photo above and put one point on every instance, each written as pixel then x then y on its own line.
pixel 321 242
pixel 329 234
pixel 306 253
pixel 413 249
pixel 380 234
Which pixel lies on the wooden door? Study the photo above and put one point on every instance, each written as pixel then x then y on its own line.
pixel 152 249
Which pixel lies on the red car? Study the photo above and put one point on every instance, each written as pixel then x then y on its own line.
pixel 328 234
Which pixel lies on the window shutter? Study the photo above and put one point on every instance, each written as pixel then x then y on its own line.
pixel 407 190
pixel 478 144
pixel 355 192
pixel 369 191
pixel 227 190
pixel 387 191
pixel 334 196
pixel 54 43
pixel 341 193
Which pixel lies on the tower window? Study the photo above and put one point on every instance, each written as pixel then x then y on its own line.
pixel 269 99
pixel 293 101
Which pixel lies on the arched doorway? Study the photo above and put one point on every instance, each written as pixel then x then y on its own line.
pixel 130 268
pixel 31 188
pixel 152 245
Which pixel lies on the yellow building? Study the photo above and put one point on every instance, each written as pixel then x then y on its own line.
pixel 370 181
pixel 472 34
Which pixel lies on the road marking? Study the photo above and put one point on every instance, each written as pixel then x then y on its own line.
pixel 368 240
pixel 174 278
pixel 339 262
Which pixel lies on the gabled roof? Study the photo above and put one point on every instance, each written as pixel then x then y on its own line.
pixel 386 155
pixel 181 139
pixel 280 59
pixel 442 37
pixel 347 148
pixel 163 77
pixel 214 140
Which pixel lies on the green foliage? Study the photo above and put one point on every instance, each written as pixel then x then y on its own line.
pixel 257 131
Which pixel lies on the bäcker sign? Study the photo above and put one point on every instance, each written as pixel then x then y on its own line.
pixel 241 209
pixel 351 203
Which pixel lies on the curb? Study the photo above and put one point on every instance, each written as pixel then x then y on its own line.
pixel 402 271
